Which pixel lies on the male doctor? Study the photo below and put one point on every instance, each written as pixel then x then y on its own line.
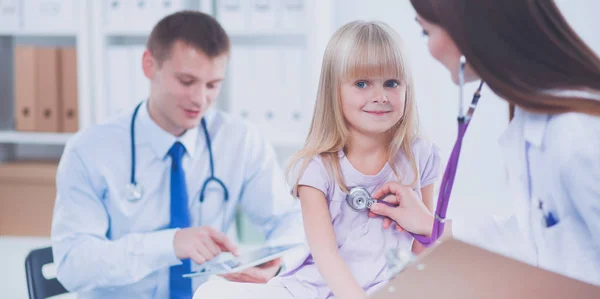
pixel 130 218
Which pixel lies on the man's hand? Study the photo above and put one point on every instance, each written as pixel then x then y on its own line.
pixel 201 244
pixel 259 274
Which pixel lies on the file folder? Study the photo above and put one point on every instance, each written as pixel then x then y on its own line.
pixel 454 269
pixel 293 20
pixel 25 88
pixel 266 102
pixel 140 83
pixel 264 16
pixel 299 106
pixel 161 9
pixel 142 17
pixel 233 15
pixel 59 15
pixel 119 78
pixel 46 118
pixel 242 76
pixel 9 15
pixel 68 117
pixel 117 14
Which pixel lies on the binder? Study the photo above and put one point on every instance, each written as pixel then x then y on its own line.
pixel 141 84
pixel 9 15
pixel 161 9
pixel 265 103
pixel 25 88
pixel 119 78
pixel 298 106
pixel 264 16
pixel 68 116
pixel 46 117
pixel 242 77
pixel 454 269
pixel 293 16
pixel 59 15
pixel 232 14
pixel 142 16
pixel 116 16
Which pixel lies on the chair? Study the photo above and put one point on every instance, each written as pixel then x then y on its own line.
pixel 38 286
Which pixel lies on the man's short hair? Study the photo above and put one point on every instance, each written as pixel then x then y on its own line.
pixel 194 28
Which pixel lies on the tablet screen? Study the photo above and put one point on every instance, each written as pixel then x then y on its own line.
pixel 245 260
pixel 265 253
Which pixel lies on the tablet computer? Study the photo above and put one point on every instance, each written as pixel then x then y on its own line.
pixel 246 260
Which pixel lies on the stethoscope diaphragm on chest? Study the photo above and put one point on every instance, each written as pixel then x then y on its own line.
pixel 359 199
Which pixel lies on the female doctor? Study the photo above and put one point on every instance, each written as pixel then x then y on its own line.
pixel 527 54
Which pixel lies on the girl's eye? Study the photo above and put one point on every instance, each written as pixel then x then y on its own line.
pixel 425 33
pixel 391 83
pixel 361 84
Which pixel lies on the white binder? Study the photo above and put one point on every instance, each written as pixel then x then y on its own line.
pixel 234 15
pixel 117 14
pixel 263 17
pixel 299 103
pixel 293 20
pixel 141 84
pixel 241 91
pixel 119 77
pixel 143 15
pixel 57 15
pixel 267 99
pixel 9 15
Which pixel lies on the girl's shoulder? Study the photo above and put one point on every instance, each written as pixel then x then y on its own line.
pixel 422 148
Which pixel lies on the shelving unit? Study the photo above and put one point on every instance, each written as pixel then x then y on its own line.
pixel 101 26
pixel 14 137
pixel 46 31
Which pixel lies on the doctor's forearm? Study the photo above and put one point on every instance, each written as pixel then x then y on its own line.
pixel 86 262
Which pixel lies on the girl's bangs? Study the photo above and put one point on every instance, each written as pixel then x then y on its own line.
pixel 374 56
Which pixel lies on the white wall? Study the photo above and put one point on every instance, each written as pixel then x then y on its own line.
pixel 480 183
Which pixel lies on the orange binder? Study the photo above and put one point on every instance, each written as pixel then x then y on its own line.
pixel 25 88
pixel 46 118
pixel 68 107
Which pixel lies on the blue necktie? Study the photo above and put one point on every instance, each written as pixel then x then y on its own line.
pixel 179 287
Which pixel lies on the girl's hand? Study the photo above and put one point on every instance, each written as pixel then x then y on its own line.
pixel 411 214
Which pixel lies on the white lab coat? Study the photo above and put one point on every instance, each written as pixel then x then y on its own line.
pixel 555 160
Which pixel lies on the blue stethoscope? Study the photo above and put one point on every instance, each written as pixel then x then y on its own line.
pixel 134 191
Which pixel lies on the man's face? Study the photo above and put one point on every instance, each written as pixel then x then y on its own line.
pixel 183 86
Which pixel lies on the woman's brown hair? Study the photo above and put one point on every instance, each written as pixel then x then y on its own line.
pixel 524 50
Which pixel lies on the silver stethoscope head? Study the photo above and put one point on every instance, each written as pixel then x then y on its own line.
pixel 133 192
pixel 359 199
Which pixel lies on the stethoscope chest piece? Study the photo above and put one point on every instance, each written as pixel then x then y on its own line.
pixel 359 199
pixel 133 192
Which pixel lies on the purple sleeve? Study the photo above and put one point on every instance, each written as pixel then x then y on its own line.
pixel 429 164
pixel 315 176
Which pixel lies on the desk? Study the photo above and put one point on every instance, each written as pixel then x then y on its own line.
pixel 13 251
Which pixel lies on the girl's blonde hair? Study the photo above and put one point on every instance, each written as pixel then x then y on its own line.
pixel 358 50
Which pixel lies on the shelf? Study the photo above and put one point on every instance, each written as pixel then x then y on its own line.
pixel 34 138
pixel 39 33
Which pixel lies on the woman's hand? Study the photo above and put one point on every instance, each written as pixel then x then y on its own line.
pixel 411 214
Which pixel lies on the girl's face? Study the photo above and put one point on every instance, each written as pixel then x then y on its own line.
pixel 442 47
pixel 373 105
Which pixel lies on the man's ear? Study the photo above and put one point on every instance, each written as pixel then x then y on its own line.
pixel 149 65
